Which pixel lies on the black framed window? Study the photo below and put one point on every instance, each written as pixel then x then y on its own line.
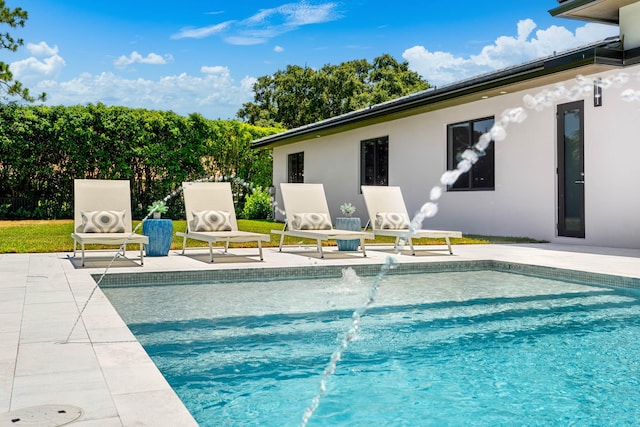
pixel 374 161
pixel 463 136
pixel 295 167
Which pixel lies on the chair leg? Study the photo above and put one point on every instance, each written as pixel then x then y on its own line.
pixel 449 245
pixel 74 248
pixel 184 244
pixel 226 246
pixel 413 251
pixel 260 249
pixel 141 253
pixel 281 242
pixel 364 251
pixel 320 249
pixel 211 252
pixel 82 247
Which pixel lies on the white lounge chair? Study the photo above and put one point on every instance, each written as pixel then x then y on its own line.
pixel 211 217
pixel 102 215
pixel 307 216
pixel 388 217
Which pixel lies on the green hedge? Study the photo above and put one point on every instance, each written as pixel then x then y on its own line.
pixel 43 149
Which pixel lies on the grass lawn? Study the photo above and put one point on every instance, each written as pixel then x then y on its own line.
pixel 42 236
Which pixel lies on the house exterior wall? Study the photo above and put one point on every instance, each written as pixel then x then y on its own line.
pixel 612 157
pixel 524 202
pixel 629 29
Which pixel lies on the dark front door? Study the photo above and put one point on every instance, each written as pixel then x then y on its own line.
pixel 571 169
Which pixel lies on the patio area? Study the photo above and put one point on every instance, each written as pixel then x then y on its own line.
pixel 101 369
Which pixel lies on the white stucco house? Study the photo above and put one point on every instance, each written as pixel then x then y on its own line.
pixel 565 174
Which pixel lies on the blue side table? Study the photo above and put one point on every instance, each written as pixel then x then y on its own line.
pixel 351 224
pixel 160 233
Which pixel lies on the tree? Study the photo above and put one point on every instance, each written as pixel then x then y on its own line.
pixel 298 95
pixel 14 18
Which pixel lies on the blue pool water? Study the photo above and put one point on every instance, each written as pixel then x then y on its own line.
pixel 441 349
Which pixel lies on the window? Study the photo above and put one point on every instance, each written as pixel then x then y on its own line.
pixel 462 136
pixel 374 163
pixel 295 167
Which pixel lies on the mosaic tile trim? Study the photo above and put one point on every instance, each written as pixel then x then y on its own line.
pixel 331 271
pixel 576 276
pixel 270 274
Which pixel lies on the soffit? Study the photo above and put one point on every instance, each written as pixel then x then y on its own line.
pixel 602 11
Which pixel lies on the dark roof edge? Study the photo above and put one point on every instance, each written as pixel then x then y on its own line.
pixel 600 52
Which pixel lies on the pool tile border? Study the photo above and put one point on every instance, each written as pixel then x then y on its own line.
pixel 332 271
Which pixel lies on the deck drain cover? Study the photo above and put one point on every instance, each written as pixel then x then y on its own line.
pixel 41 416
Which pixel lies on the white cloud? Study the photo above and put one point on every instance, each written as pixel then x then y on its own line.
pixel 303 14
pixel 135 57
pixel 42 49
pixel 200 33
pixel 214 94
pixel 266 24
pixel 508 50
pixel 34 69
pixel 295 14
pixel 278 49
pixel 443 67
pixel 591 32
pixel 247 84
pixel 435 67
pixel 216 69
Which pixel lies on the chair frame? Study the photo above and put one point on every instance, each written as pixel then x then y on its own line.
pixel 97 195
pixel 306 198
pixel 390 199
pixel 199 196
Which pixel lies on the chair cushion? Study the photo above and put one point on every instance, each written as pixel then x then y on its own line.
pixel 392 221
pixel 311 221
pixel 102 222
pixel 211 221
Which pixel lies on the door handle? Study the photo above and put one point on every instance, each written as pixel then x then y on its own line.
pixel 579 182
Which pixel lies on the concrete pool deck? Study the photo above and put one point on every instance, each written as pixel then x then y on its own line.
pixel 105 372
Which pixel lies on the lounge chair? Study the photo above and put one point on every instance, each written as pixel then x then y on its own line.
pixel 211 217
pixel 102 215
pixel 307 216
pixel 388 217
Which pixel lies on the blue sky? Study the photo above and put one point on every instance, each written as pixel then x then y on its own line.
pixel 203 56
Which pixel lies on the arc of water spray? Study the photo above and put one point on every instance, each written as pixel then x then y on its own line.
pixel 538 102
pixel 121 249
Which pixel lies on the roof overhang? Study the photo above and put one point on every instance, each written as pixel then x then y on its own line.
pixel 529 76
pixel 601 11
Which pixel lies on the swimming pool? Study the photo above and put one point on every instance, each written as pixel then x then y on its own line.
pixel 462 348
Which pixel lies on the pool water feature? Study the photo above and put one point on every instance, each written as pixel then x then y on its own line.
pixel 472 348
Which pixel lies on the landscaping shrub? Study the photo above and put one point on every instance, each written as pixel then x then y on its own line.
pixel 258 205
pixel 43 149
